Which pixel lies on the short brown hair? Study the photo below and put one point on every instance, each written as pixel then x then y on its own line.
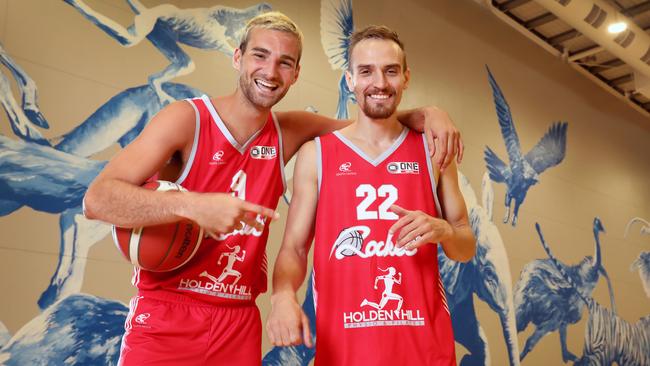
pixel 375 32
pixel 273 20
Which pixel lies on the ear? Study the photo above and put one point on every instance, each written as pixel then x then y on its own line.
pixel 349 80
pixel 236 59
pixel 407 78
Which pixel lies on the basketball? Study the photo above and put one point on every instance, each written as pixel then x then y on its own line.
pixel 349 242
pixel 159 248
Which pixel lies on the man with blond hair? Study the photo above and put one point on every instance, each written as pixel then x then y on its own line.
pixel 377 208
pixel 229 153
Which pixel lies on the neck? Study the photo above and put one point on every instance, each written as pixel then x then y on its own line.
pixel 242 117
pixel 377 130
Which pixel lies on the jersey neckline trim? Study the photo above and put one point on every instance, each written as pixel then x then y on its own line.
pixel 224 129
pixel 383 156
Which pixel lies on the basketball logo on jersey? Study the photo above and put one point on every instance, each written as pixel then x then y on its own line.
pixel 219 286
pixel 387 311
pixel 403 167
pixel 352 242
pixel 263 152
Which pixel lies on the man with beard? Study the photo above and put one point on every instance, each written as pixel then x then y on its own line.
pixel 369 194
pixel 228 152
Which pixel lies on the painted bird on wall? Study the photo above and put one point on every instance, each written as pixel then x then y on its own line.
pixel 523 170
pixel 336 27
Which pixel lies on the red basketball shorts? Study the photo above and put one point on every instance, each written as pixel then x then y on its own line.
pixel 171 329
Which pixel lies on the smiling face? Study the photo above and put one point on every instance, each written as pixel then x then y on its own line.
pixel 377 76
pixel 268 66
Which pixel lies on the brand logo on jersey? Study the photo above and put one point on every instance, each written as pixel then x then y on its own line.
pixel 352 241
pixel 142 318
pixel 263 152
pixel 403 167
pixel 345 169
pixel 217 158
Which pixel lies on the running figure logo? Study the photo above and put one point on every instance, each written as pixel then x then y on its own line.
pixel 228 270
pixel 388 294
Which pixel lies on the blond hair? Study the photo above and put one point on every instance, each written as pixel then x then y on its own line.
pixel 273 20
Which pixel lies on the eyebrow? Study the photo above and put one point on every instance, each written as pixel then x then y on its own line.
pixel 367 66
pixel 267 52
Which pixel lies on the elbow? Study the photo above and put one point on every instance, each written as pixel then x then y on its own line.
pixel 90 203
pixel 467 254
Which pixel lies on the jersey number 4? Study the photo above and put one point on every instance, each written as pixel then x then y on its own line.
pixel 371 193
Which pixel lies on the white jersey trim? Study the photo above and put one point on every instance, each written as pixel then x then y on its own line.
pixel 195 144
pixel 319 162
pixel 224 129
pixel 431 176
pixel 281 152
pixel 383 156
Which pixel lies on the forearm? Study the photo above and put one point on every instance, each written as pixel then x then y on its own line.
pixel 126 205
pixel 461 244
pixel 413 118
pixel 290 270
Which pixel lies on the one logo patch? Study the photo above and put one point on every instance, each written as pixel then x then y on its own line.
pixel 263 152
pixel 403 167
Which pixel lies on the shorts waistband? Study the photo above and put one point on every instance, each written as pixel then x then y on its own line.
pixel 175 297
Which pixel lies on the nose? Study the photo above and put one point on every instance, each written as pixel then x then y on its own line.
pixel 380 80
pixel 271 70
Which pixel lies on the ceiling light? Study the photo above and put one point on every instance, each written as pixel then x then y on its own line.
pixel 617 27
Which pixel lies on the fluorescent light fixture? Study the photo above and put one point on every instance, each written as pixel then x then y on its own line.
pixel 617 27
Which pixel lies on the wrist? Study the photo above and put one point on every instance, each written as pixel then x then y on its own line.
pixel 283 295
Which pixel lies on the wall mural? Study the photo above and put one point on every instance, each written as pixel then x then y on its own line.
pixel 217 28
pixel 545 299
pixel 608 339
pixel 336 27
pixel 51 175
pixel 523 171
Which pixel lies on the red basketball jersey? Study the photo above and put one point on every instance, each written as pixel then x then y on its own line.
pixel 376 304
pixel 233 269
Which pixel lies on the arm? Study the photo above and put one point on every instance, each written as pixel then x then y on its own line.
pixel 287 318
pixel 115 196
pixel 453 232
pixel 442 135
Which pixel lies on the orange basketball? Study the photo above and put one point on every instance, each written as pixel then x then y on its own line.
pixel 159 248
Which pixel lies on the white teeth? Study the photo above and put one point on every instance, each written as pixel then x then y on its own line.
pixel 266 84
pixel 378 96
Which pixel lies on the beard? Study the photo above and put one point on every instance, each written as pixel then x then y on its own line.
pixel 251 92
pixel 379 110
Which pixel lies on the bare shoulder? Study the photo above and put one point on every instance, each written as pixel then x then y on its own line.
pixel 307 150
pixel 306 161
pixel 174 125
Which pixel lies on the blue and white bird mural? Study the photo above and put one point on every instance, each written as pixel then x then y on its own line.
pixel 25 118
pixel 336 27
pixel 609 339
pixel 546 300
pixel 217 28
pixel 523 170
pixel 642 262
pixel 80 330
